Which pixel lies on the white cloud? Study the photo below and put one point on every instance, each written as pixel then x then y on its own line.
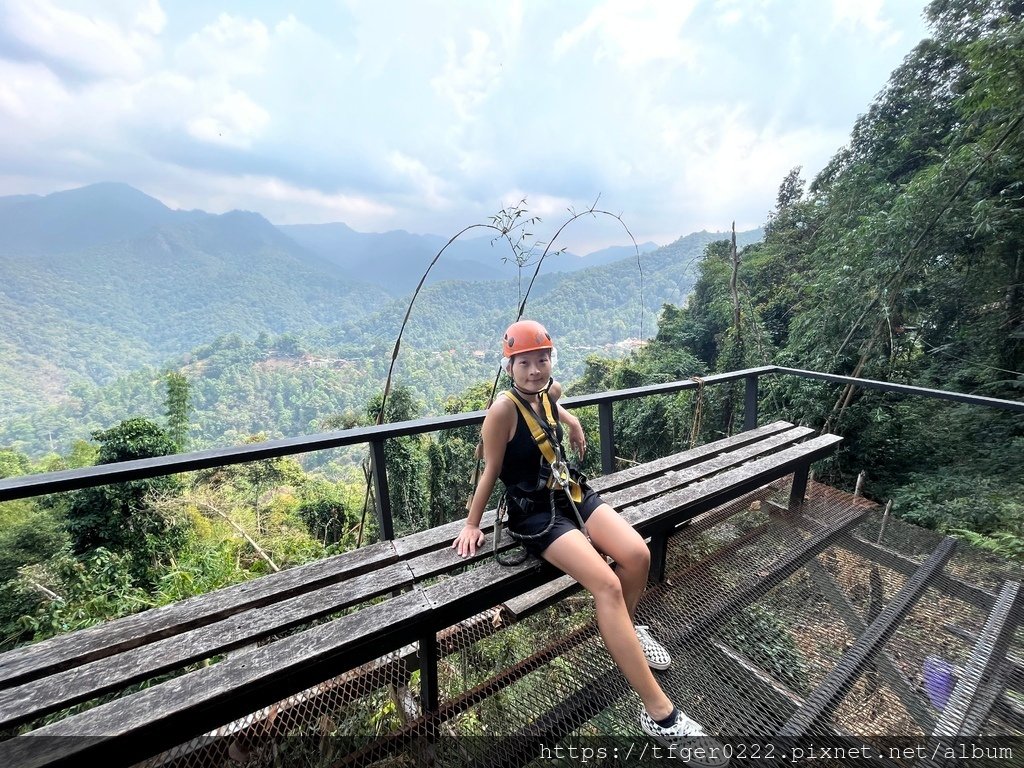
pixel 538 203
pixel 635 32
pixel 426 186
pixel 149 15
pixel 331 206
pixel 228 47
pixel 277 199
pixel 30 94
pixel 216 58
pixel 467 79
pixel 101 42
pixel 234 120
pixel 866 14
pixel 431 115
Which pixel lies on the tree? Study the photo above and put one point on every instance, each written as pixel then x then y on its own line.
pixel 178 408
pixel 323 510
pixel 120 516
pixel 903 263
pixel 12 463
pixel 407 463
pixel 258 477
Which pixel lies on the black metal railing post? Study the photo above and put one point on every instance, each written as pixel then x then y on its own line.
pixel 606 428
pixel 429 688
pixel 750 402
pixel 381 494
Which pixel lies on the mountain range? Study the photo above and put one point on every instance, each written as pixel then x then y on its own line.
pixel 102 281
pixel 403 256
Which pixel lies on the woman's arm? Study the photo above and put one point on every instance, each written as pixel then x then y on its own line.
pixel 494 433
pixel 577 440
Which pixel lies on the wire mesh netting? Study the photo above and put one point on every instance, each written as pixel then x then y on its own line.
pixel 789 633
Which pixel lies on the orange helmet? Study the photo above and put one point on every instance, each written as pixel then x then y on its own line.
pixel 525 336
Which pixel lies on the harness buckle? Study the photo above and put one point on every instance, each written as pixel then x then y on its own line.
pixel 560 474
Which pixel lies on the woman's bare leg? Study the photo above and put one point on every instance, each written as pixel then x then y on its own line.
pixel 573 554
pixel 615 537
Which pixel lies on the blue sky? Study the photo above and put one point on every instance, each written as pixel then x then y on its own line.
pixel 429 116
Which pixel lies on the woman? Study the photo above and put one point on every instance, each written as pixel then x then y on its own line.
pixel 511 453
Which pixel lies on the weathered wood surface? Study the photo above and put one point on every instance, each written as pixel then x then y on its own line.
pixel 677 506
pixel 112 637
pixel 547 594
pixel 683 459
pixel 54 674
pixel 155 719
pixel 38 697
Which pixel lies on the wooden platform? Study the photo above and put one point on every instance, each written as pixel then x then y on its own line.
pixel 217 657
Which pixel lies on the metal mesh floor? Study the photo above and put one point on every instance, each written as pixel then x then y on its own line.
pixel 778 628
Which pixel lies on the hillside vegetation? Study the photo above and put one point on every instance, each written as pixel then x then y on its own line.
pixel 271 338
pixel 903 260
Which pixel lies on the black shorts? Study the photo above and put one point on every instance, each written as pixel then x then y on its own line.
pixel 538 514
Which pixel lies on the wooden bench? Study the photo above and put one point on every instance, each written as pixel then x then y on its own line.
pixel 386 597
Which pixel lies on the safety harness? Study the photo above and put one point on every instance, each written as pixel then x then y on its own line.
pixel 555 474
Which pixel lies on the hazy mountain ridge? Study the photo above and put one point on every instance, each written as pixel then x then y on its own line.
pixel 163 284
pixel 82 313
pixel 396 260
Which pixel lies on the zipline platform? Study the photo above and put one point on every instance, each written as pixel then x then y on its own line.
pixel 797 616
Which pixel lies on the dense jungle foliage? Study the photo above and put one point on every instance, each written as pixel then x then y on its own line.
pixel 903 260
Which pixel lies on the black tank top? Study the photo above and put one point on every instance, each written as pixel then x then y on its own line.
pixel 522 462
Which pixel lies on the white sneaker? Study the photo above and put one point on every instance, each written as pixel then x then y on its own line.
pixel 655 653
pixel 688 741
pixel 683 728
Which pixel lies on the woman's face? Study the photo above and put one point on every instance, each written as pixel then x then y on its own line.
pixel 531 369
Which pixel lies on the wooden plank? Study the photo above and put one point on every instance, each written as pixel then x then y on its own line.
pixel 490 584
pixel 130 729
pixel 38 697
pixel 707 494
pixel 447 560
pixel 433 538
pixel 64 651
pixel 719 463
pixel 715 517
pixel 523 605
pixel 641 472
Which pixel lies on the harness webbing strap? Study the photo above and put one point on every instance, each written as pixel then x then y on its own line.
pixel 545 437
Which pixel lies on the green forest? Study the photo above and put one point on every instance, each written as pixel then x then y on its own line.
pixel 81 370
pixel 903 260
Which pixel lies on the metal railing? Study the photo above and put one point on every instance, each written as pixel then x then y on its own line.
pixel 374 436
